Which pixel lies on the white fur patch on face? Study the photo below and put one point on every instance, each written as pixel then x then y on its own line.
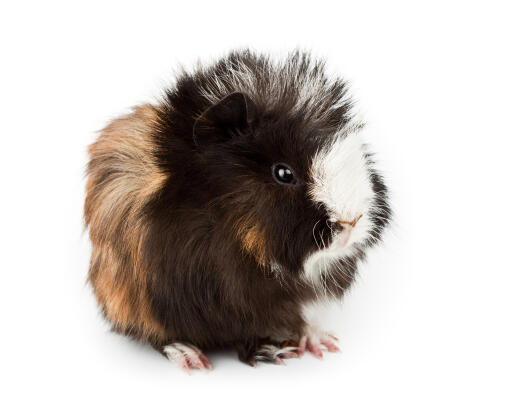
pixel 341 182
pixel 341 178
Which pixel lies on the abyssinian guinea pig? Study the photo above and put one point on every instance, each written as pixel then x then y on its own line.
pixel 220 215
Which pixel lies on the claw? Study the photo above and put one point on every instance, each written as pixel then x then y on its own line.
pixel 205 361
pixel 330 346
pixel 314 349
pixel 290 354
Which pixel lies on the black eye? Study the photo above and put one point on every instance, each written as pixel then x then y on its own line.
pixel 283 174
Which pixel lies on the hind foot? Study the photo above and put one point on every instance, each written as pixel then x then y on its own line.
pixel 273 353
pixel 266 350
pixel 187 356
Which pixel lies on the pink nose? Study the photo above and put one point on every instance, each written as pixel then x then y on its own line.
pixel 347 227
pixel 349 224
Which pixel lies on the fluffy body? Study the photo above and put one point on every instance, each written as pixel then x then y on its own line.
pixel 193 239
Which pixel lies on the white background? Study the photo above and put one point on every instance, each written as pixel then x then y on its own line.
pixel 428 324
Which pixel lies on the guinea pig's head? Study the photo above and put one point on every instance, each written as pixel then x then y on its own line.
pixel 283 159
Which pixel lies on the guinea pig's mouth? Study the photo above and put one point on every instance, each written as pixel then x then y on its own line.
pixel 343 232
pixel 336 234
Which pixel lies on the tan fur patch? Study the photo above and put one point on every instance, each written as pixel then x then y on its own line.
pixel 253 242
pixel 123 175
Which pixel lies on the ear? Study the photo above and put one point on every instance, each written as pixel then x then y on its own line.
pixel 220 121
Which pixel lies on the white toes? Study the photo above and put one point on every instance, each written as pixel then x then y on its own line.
pixel 266 352
pixel 187 356
pixel 175 355
pixel 269 352
pixel 191 353
pixel 315 340
pixel 287 352
pixel 329 342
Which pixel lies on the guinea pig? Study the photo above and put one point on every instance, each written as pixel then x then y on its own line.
pixel 219 215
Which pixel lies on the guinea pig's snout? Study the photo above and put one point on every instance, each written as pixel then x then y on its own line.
pixel 345 228
pixel 349 224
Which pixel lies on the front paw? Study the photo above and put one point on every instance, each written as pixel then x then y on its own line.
pixel 315 340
